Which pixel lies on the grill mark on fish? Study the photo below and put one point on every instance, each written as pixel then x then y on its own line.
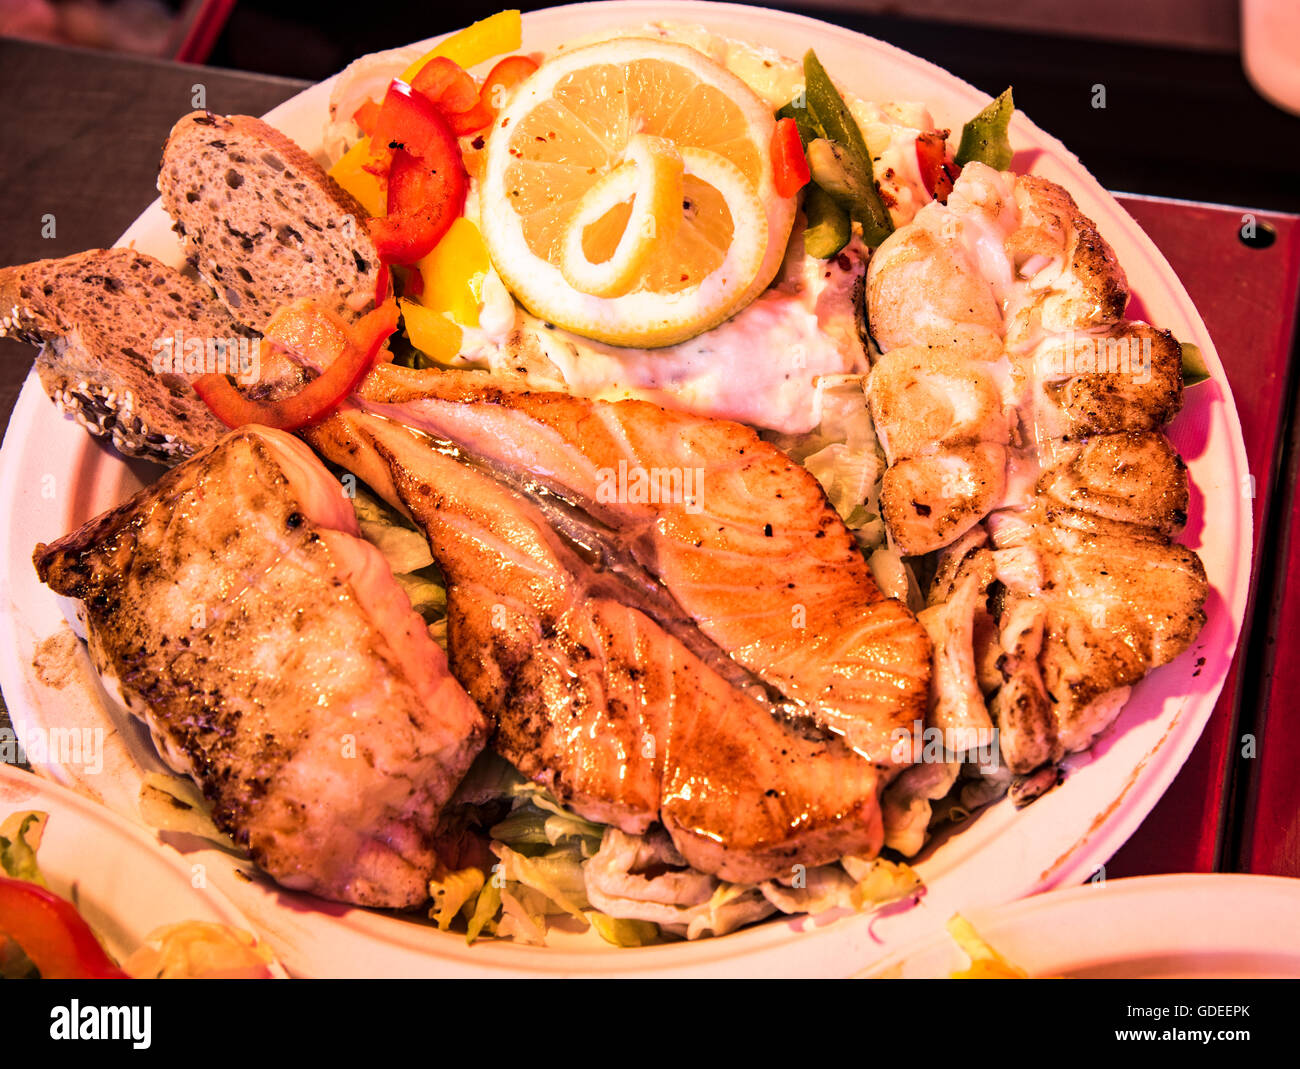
pixel 706 557
pixel 575 680
pixel 619 574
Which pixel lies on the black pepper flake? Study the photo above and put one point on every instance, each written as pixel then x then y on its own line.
pixel 767 530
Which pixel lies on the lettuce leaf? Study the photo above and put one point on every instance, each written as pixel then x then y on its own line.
pixel 426 590
pixel 451 891
pixel 402 544
pixel 486 907
pixel 20 838
pixel 879 882
pixel 406 550
pixel 555 875
pixel 843 455
pixel 623 933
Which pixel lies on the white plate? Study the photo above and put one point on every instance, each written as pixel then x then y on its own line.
pixel 52 478
pixel 1202 926
pixel 124 883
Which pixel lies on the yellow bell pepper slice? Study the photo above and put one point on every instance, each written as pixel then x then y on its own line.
pixel 351 174
pixel 502 32
pixel 453 273
pixel 431 332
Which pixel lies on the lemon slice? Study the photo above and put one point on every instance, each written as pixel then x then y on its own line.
pixel 580 182
pixel 651 182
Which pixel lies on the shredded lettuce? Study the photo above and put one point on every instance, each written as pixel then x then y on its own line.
pixel 621 932
pixel 542 873
pixel 451 892
pixel 843 455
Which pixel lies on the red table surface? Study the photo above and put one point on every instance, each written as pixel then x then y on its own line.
pixel 1247 297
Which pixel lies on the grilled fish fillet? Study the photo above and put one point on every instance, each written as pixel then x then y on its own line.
pixel 644 652
pixel 1112 603
pixel 1001 316
pixel 742 538
pixel 277 662
pixel 596 692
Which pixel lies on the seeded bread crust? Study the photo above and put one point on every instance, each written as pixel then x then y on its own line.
pixel 96 316
pixel 261 220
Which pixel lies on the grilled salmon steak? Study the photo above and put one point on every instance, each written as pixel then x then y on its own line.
pixel 601 688
pixel 740 537
pixel 663 612
pixel 277 661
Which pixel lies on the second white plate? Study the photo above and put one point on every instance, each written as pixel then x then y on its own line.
pixel 1199 926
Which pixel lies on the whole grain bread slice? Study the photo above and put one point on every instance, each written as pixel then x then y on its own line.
pixel 261 220
pixel 99 317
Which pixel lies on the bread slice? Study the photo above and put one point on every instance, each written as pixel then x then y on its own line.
pixel 262 221
pixel 97 317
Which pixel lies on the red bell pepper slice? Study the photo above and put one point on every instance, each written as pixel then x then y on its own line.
pixel 413 284
pixel 789 164
pixel 448 86
pixel 319 397
pixel 53 934
pixel 423 202
pixel 366 116
pixel 937 173
pixel 427 182
pixel 504 76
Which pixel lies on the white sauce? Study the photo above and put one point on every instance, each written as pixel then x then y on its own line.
pixel 761 366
